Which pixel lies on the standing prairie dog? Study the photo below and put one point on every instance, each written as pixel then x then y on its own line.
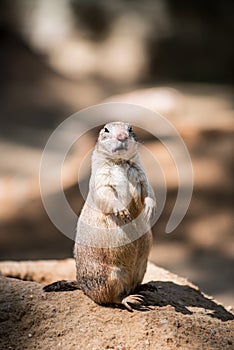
pixel 113 237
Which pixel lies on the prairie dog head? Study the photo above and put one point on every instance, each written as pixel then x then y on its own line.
pixel 117 141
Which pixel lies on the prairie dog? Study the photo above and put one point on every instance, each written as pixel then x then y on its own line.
pixel 113 236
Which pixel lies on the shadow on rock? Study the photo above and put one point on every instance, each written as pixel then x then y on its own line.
pixel 182 298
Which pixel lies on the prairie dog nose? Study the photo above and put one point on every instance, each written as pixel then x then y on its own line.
pixel 121 136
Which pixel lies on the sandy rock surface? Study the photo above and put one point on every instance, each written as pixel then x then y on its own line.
pixel 180 316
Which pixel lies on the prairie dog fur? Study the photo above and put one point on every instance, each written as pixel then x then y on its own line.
pixel 113 236
pixel 111 261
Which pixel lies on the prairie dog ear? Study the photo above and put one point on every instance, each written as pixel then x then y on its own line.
pixel 104 133
pixel 131 132
pixel 129 128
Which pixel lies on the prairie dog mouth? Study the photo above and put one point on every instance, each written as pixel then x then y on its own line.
pixel 121 147
pixel 117 148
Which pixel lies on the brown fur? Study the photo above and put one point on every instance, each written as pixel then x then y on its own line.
pixel 109 274
pixel 111 257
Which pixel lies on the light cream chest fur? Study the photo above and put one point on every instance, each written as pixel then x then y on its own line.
pixel 124 179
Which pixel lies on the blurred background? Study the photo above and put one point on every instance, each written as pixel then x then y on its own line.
pixel 175 57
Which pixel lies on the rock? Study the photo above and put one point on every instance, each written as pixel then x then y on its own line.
pixel 45 271
pixel 70 320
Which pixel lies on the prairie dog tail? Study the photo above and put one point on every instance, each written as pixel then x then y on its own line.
pixel 61 286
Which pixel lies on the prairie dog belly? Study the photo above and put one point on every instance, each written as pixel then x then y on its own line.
pixel 125 180
pixel 94 229
pixel 119 181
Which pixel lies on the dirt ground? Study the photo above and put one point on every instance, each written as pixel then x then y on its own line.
pixel 178 314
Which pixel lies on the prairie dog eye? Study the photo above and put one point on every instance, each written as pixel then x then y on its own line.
pixel 130 128
pixel 106 130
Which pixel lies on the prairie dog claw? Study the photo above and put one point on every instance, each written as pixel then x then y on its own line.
pixel 135 299
pixel 150 208
pixel 123 214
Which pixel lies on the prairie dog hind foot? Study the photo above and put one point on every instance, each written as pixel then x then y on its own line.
pixel 136 300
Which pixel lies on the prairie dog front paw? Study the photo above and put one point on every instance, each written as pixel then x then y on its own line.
pixel 150 208
pixel 121 212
